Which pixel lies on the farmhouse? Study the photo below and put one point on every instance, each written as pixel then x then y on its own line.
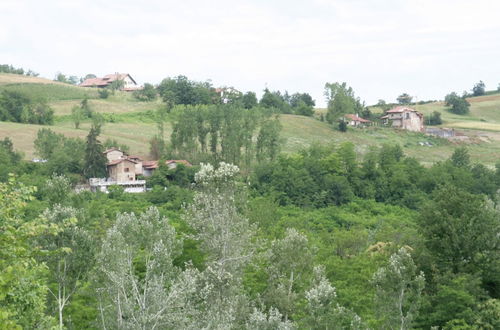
pixel 123 170
pixel 129 83
pixel 356 121
pixel 405 118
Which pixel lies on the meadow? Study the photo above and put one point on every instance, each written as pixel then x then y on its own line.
pixel 131 122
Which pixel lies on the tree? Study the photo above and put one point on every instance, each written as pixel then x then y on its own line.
pixel 465 237
pixel 459 105
pixel 77 114
pixel 249 100
pixel 23 286
pixel 435 118
pixel 323 310
pixel 289 260
pixel 103 93
pixel 341 100
pixel 404 98
pixel 181 90
pixel 479 89
pixel 116 85
pixel 342 125
pixel 274 100
pixel 461 157
pixel 47 142
pixel 70 255
pixel 147 93
pixel 225 237
pixel 95 160
pixel 20 107
pixel 399 288
pixel 139 285
pixel 268 144
pixel 61 78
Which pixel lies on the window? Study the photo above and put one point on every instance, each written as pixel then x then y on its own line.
pixel 126 169
pixel 407 115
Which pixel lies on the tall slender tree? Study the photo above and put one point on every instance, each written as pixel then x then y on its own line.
pixel 95 160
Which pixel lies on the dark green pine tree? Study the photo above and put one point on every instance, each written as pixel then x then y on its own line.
pixel 95 160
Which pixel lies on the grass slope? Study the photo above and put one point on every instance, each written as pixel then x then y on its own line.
pixel 133 125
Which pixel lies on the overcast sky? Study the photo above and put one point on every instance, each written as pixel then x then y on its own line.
pixel 380 48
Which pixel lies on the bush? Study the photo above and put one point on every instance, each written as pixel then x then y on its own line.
pixel 103 93
pixel 435 118
pixel 459 105
pixel 342 126
pixel 147 93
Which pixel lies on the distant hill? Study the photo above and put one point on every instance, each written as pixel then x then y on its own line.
pixel 132 124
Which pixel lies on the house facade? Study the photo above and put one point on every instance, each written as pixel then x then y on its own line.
pixel 121 170
pixel 404 118
pixel 129 83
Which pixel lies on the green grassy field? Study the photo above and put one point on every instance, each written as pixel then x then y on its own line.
pixel 133 124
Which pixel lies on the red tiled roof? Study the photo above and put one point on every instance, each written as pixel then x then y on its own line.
pixel 118 161
pixel 117 76
pixel 178 161
pixel 356 118
pixel 150 164
pixel 106 80
pixel 90 82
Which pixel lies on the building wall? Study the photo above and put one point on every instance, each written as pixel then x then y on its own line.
pixel 138 168
pixel 408 120
pixel 129 82
pixel 122 172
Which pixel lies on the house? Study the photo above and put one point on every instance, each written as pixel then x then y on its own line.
pixel 121 170
pixel 356 121
pixel 113 154
pixel 405 118
pixel 227 94
pixel 148 167
pixel 129 83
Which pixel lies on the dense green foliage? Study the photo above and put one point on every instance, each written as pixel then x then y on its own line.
pixel 341 100
pixel 323 238
pixel 147 93
pixel 404 98
pixel 479 89
pixel 459 105
pixel 21 108
pixel 434 118
pixel 181 90
pixel 299 103
pixel 224 132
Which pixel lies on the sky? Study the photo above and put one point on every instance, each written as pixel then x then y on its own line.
pixel 379 48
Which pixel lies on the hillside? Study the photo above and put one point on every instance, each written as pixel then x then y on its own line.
pixel 132 124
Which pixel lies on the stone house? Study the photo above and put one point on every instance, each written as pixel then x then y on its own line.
pixel 122 170
pixel 404 118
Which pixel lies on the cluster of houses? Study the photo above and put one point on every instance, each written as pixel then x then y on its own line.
pixel 401 117
pixel 124 170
